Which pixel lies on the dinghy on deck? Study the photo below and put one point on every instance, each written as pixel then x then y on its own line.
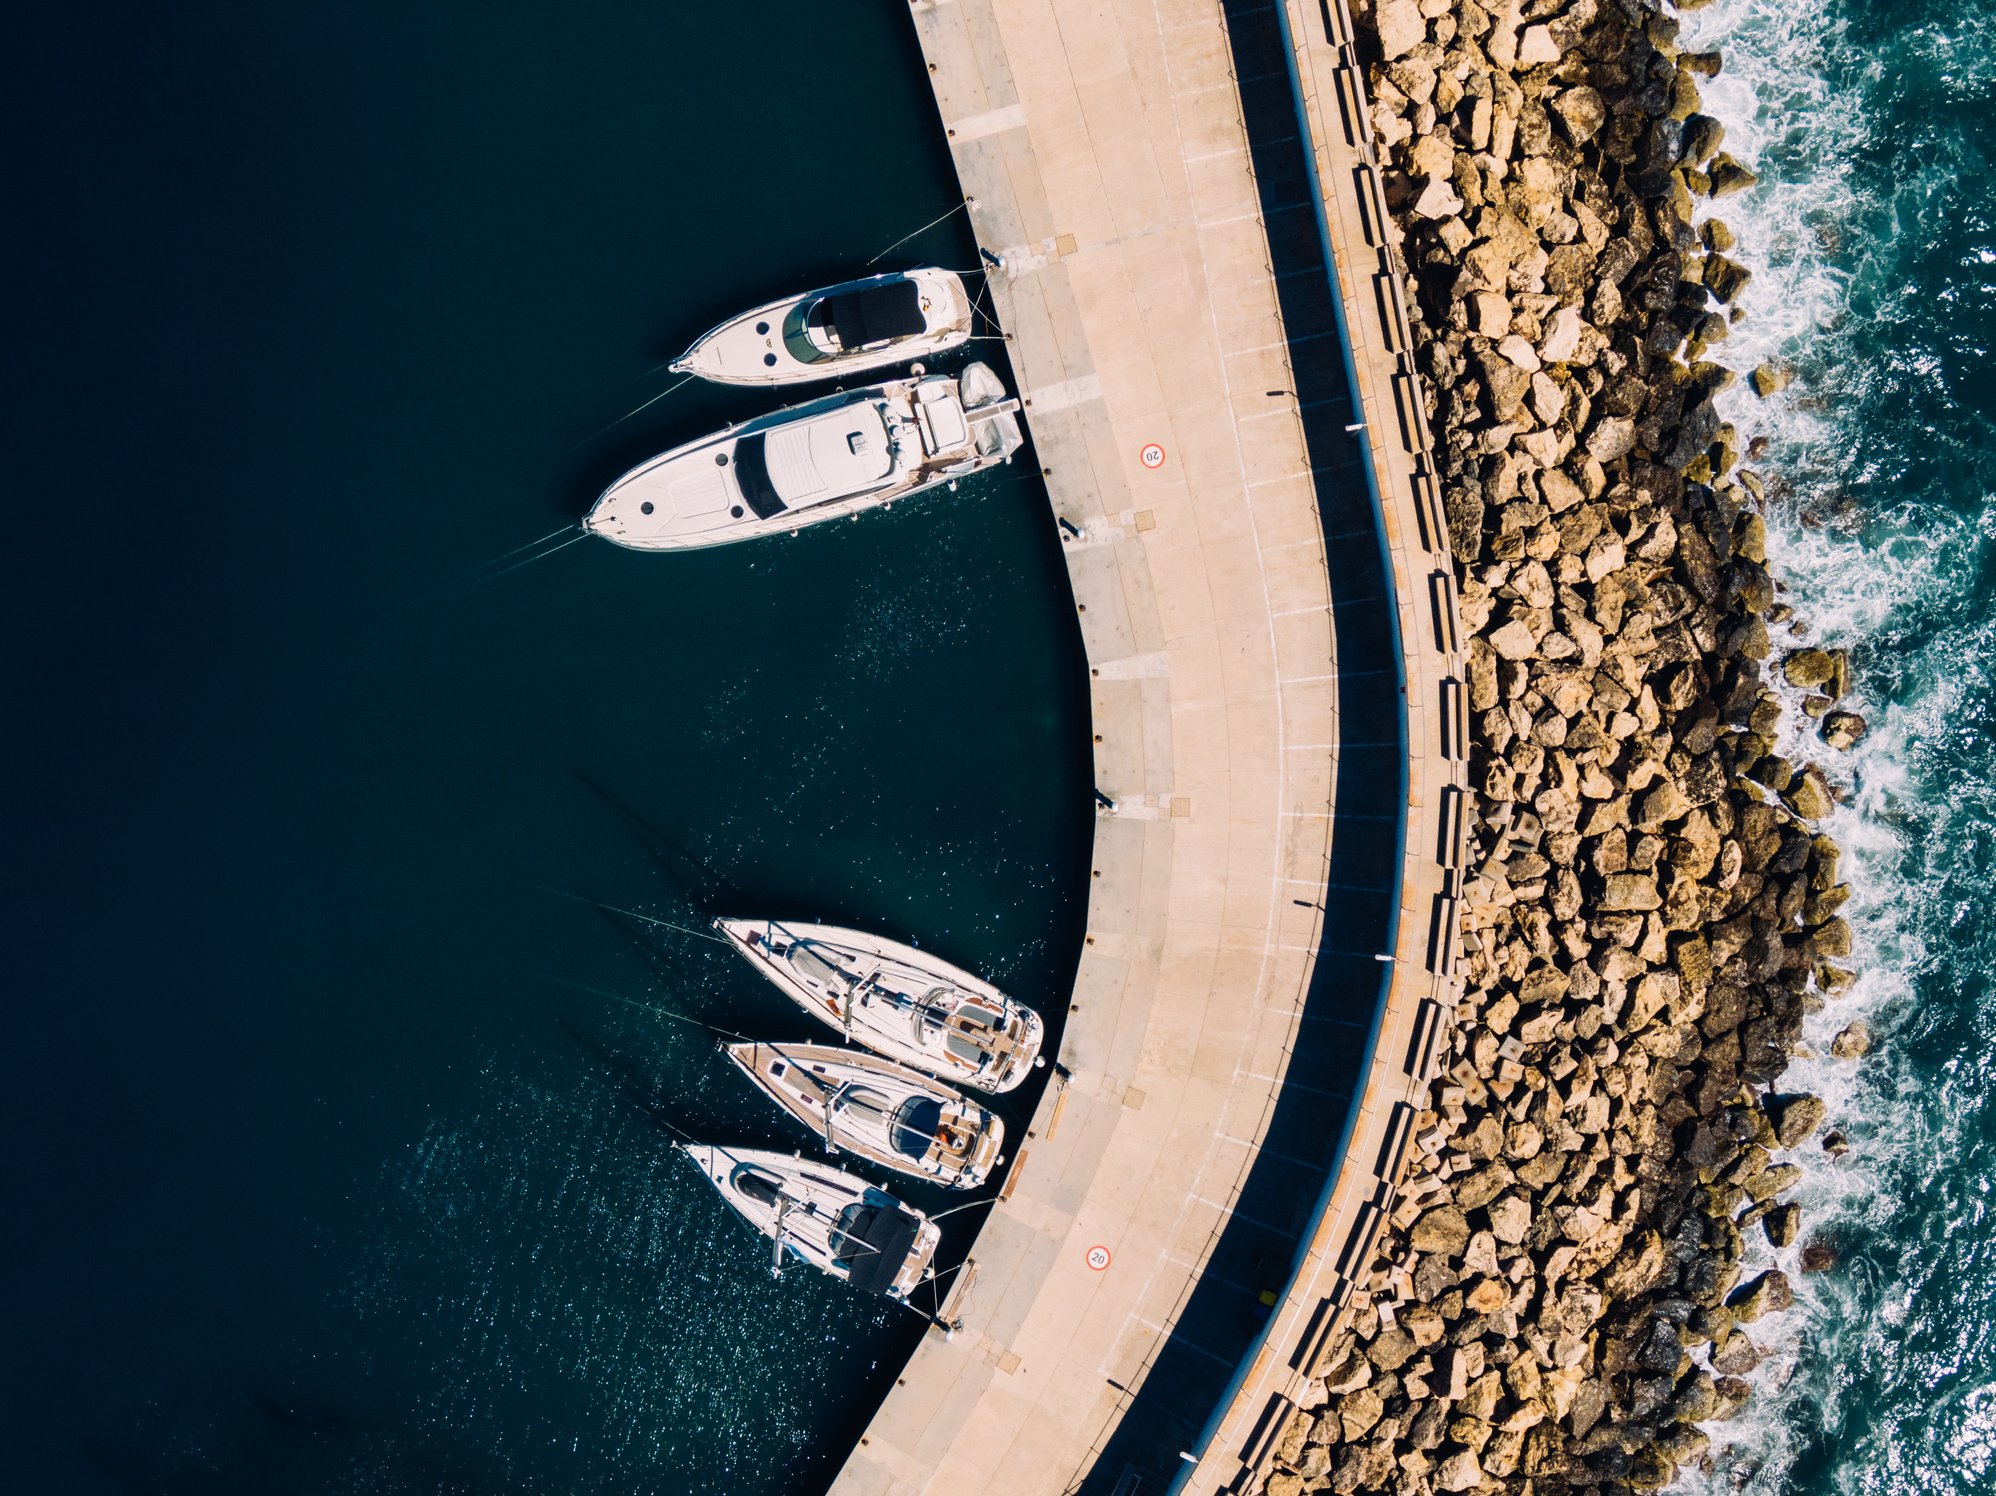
pixel 851 328
pixel 833 1220
pixel 883 1112
pixel 896 1000
pixel 828 458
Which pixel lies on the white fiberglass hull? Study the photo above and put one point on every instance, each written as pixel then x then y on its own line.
pixel 797 339
pixel 884 1112
pixel 829 458
pixel 896 1000
pixel 835 1221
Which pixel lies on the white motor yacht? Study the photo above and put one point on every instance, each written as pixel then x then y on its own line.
pixel 883 1112
pixel 851 328
pixel 833 1220
pixel 896 1000
pixel 828 458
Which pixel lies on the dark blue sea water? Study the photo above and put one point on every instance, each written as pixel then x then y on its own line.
pixel 1873 241
pixel 316 1175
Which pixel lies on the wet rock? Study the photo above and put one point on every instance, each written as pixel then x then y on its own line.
pixel 1810 796
pixel 1782 1224
pixel 1795 1117
pixel 1735 1356
pixel 1852 1042
pixel 1768 378
pixel 1728 176
pixel 1650 1470
pixel 1818 1257
pixel 1809 668
pixel 1765 1294
pixel 1843 730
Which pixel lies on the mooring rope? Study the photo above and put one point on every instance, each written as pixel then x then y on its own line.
pixel 527 547
pixel 627 913
pixel 960 207
pixel 658 1008
pixel 688 379
pixel 529 561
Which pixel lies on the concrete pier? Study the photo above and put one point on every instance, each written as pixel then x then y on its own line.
pixel 1177 1232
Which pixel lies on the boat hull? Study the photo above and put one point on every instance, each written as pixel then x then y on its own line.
pixel 832 1220
pixel 877 1109
pixel 774 344
pixel 835 457
pixel 898 1001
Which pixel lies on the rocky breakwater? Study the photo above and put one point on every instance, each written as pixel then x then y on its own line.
pixel 1558 1302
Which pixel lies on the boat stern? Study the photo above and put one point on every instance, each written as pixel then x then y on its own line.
pixel 921 1262
pixel 992 412
pixel 968 1159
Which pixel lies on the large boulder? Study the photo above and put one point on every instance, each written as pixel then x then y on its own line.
pixel 1767 1294
pixel 1401 27
pixel 1611 437
pixel 1444 1230
pixel 1391 1349
pixel 1510 1218
pixel 1795 1117
pixel 1809 668
pixel 1581 111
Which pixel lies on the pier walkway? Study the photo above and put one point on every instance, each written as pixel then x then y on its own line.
pixel 1177 1234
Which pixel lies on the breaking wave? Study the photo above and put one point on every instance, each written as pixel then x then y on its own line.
pixel 1873 248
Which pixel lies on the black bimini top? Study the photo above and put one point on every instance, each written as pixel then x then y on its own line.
pixel 874 1242
pixel 873 315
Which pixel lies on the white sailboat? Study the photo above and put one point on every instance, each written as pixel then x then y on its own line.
pixel 826 459
pixel 896 1000
pixel 833 1220
pixel 886 1113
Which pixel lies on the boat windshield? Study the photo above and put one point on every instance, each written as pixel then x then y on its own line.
pixel 752 476
pixel 915 1127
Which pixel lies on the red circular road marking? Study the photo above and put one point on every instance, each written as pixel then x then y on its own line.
pixel 1098 1258
pixel 1152 455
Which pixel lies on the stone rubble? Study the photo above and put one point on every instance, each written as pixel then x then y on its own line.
pixel 1556 1304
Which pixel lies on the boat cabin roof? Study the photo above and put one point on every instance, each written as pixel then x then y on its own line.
pixel 844 451
pixel 872 314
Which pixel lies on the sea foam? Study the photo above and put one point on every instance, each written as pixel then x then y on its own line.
pixel 1881 536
